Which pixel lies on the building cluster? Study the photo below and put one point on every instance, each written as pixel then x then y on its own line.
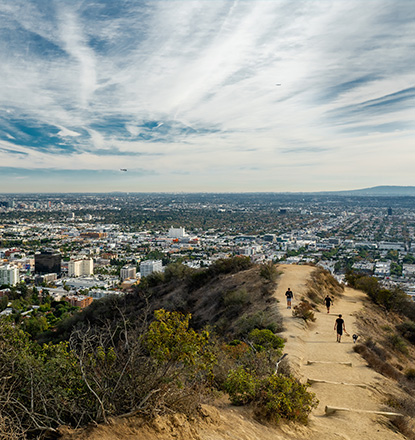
pixel 82 257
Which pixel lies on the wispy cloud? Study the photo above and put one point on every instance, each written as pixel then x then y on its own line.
pixel 185 92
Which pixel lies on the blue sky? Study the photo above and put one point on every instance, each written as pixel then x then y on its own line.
pixel 184 95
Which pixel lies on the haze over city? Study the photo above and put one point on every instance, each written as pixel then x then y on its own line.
pixel 229 96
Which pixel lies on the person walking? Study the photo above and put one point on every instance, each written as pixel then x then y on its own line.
pixel 289 294
pixel 328 302
pixel 340 327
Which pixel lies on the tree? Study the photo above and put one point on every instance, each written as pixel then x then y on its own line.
pixel 3 302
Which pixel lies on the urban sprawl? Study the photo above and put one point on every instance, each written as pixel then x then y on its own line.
pixel 80 248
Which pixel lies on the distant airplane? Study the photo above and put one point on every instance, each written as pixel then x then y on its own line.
pixel 123 169
pixel 277 84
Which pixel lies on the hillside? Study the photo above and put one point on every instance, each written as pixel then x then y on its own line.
pixel 313 354
pixel 378 191
pixel 192 355
pixel 317 356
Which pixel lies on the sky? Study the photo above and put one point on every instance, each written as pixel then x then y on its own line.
pixel 206 95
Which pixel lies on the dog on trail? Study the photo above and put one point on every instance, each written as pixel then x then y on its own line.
pixel 355 338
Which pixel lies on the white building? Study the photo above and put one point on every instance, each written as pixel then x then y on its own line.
pixel 382 268
pixel 82 267
pixel 391 246
pixel 177 232
pixel 250 250
pixel 408 270
pixel 128 272
pixel 9 275
pixel 149 266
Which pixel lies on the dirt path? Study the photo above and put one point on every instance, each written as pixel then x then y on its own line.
pixel 317 342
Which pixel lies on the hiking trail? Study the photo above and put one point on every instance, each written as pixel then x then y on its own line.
pixel 314 354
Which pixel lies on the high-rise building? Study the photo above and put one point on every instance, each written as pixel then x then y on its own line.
pixel 149 266
pixel 9 275
pixel 48 261
pixel 81 267
pixel 128 272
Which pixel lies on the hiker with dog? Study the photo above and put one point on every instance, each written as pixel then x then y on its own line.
pixel 328 302
pixel 340 327
pixel 289 294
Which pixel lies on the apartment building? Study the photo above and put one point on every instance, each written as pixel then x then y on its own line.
pixel 149 266
pixel 78 301
pixel 81 267
pixel 128 272
pixel 9 275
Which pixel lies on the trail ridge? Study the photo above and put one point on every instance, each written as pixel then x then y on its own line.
pixel 340 377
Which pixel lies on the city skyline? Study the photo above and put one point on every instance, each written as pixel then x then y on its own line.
pixel 220 96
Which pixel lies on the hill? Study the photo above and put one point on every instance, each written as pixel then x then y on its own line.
pixel 376 191
pixel 193 355
pixel 339 375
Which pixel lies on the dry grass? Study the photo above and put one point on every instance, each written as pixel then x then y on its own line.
pixel 406 406
pixel 233 304
pixel 386 352
pixel 321 284
pixel 376 362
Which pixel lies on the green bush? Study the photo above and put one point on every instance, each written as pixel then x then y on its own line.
pixel 259 320
pixel 236 298
pixel 241 386
pixel 266 340
pixel 391 299
pixel 155 279
pixel 280 397
pixel 176 271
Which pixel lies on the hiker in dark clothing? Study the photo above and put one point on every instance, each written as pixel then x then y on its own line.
pixel 328 302
pixel 289 295
pixel 340 327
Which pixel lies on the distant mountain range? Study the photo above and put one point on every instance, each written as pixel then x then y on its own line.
pixel 378 191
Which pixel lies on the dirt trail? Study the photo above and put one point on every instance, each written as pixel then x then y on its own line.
pixel 317 342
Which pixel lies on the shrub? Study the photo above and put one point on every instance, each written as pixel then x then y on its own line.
pixel 376 362
pixel 283 397
pixel 410 374
pixel 407 330
pixel 176 271
pixel 241 386
pixel 398 344
pixel 269 271
pixel 386 328
pixel 198 278
pixel 260 320
pixel 266 340
pixel 155 279
pixel 274 397
pixel 391 299
pixel 403 424
pixel 304 311
pixel 236 297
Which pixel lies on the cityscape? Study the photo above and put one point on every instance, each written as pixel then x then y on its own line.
pixel 83 247
pixel 207 220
